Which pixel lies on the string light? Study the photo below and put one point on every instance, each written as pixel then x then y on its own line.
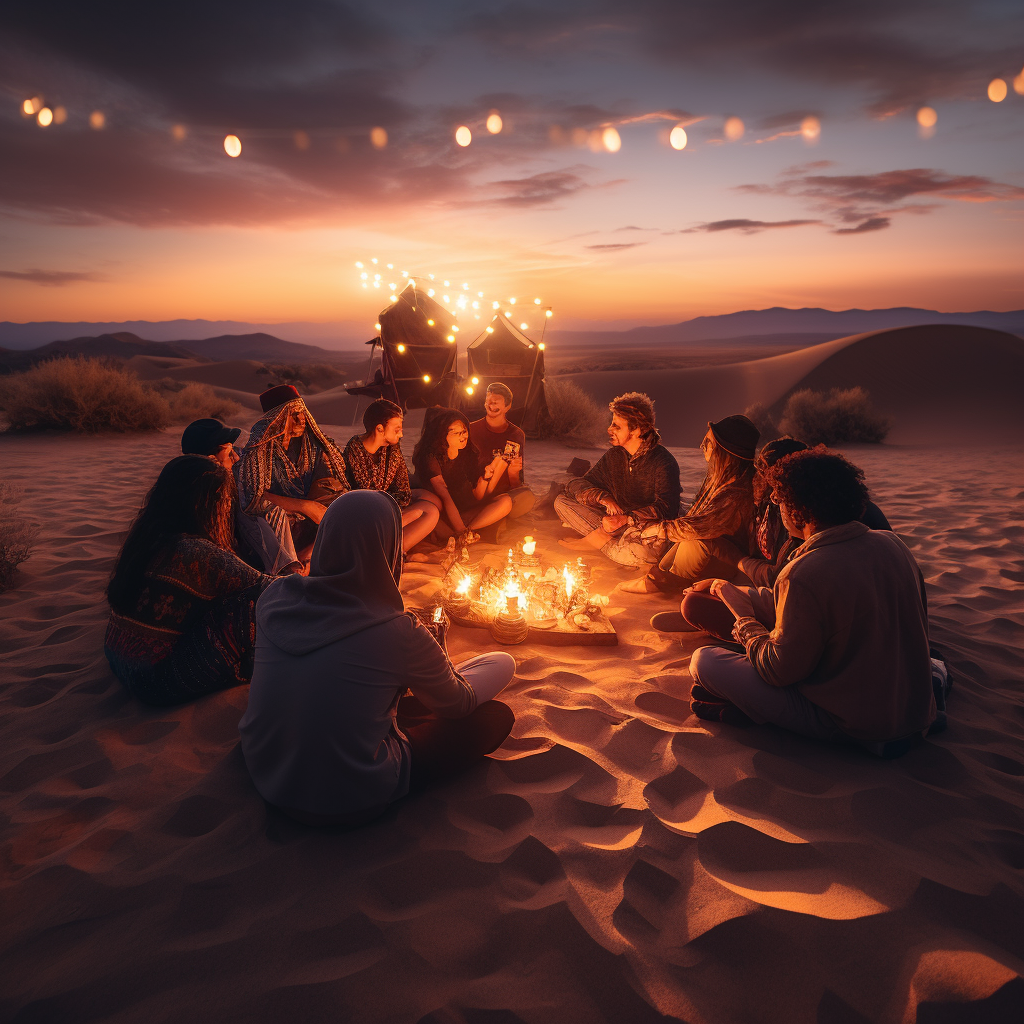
pixel 469 391
pixel 611 140
pixel 523 327
pixel 997 90
pixel 490 330
pixel 232 145
pixel 547 312
pixel 377 326
pixel 378 138
pixel 541 346
pixel 32 106
pixel 401 348
pixel 426 378
pixel 927 117
pixel 463 136
pixel 430 323
pixel 494 123
pixel 45 117
pixel 97 120
pixel 475 380
pixel 810 129
pixel 677 137
pixel 60 115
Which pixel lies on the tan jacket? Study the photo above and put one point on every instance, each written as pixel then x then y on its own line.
pixel 851 633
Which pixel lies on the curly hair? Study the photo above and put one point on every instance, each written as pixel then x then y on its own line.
pixel 434 441
pixel 819 486
pixel 636 408
pixel 193 494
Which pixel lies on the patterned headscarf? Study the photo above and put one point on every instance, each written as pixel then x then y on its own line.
pixel 256 466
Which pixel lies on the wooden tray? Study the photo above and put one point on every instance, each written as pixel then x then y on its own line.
pixel 601 633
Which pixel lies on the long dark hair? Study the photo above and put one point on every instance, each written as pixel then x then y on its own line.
pixel 724 470
pixel 193 494
pixel 434 441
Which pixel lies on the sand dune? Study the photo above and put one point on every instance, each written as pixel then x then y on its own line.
pixel 617 861
pixel 917 375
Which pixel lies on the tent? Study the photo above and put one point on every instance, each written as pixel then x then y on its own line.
pixel 417 362
pixel 503 353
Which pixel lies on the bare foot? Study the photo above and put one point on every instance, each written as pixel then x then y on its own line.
pixel 641 585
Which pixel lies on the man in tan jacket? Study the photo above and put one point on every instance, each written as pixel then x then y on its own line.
pixel 848 656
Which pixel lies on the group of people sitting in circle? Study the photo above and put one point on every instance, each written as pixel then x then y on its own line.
pixel 280 566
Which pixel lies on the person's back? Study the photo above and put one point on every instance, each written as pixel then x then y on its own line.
pixel 852 633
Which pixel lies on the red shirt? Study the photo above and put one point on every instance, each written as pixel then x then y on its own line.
pixel 492 442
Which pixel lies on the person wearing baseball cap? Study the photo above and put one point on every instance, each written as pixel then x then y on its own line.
pixel 723 507
pixel 213 439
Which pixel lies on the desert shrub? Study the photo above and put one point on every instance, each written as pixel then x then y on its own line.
pixel 575 416
pixel 838 416
pixel 762 419
pixel 187 401
pixel 16 534
pixel 84 395
pixel 309 378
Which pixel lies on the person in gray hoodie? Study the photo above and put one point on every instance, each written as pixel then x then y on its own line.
pixel 328 736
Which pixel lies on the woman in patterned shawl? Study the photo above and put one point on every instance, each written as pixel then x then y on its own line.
pixel 288 474
pixel 723 507
pixel 374 462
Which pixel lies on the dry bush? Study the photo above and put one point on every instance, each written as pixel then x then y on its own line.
pixel 80 394
pixel 838 416
pixel 16 534
pixel 191 401
pixel 762 419
pixel 309 378
pixel 92 395
pixel 575 416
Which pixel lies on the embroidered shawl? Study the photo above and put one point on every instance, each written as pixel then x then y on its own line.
pixel 385 470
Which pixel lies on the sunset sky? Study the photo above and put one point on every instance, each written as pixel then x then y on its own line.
pixel 140 219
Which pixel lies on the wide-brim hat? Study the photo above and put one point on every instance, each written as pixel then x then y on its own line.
pixel 736 435
pixel 204 437
pixel 273 397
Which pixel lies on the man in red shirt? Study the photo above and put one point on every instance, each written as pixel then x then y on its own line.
pixel 496 435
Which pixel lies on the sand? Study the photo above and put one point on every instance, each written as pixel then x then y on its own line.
pixel 617 860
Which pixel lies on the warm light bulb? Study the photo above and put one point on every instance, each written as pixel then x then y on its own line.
pixel 611 140
pixel 394 298
pixel 401 348
pixel 677 137
pixel 734 129
pixel 490 330
pixel 536 302
pixel 45 117
pixel 513 301
pixel 476 380
pixel 996 90
pixel 378 138
pixel 494 122
pixel 377 326
pixel 523 327
pixel 430 323
pixel 232 145
pixel 547 312
pixel 32 107
pixel 391 266
pixel 359 264
pixel 455 329
pixel 508 314
pixel 97 120
pixel 469 391
pixel 374 260
pixel 463 136
pixel 430 292
pixel 426 378
pixel 927 117
pixel 810 128
pixel 495 305
pixel 451 337
pixel 541 346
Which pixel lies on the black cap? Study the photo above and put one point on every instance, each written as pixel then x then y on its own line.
pixel 204 437
pixel 737 435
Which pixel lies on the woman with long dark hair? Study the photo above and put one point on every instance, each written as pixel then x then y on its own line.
pixel 723 507
pixel 448 463
pixel 182 603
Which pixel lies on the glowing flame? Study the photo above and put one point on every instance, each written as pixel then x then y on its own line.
pixel 494 123
pixel 677 137
pixel 232 145
pixel 437 614
pixel 734 129
pixel 529 546
pixel 463 136
pixel 570 582
pixel 464 584
pixel 997 90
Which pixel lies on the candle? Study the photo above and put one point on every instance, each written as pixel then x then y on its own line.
pixel 529 546
pixel 512 604
pixel 437 614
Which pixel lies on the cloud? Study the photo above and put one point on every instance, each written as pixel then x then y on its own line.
pixel 871 199
pixel 748 227
pixel 617 245
pixel 50 278
pixel 872 224
pixel 540 189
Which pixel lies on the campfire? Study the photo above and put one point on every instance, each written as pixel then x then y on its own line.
pixel 521 597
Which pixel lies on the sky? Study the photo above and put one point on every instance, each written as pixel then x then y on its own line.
pixel 806 178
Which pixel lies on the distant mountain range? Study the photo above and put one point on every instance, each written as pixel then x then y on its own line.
pixel 779 323
pixel 281 342
pixel 125 345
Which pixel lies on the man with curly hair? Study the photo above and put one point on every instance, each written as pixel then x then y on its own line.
pixel 848 657
pixel 635 483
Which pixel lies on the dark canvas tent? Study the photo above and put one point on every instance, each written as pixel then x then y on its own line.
pixel 417 359
pixel 504 353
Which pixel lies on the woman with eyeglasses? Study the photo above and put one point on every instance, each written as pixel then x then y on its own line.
pixel 723 507
pixel 448 463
